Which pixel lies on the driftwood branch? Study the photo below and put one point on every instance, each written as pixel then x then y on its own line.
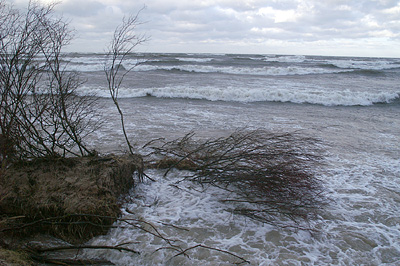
pixel 59 220
pixel 274 172
pixel 37 253
pixel 183 252
pixel 69 262
pixel 119 248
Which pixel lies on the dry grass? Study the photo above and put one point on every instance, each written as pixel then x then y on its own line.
pixel 71 198
pixel 14 258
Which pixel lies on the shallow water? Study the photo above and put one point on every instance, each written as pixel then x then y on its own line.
pixel 361 171
pixel 351 104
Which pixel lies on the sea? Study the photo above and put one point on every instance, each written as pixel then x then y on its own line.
pixel 350 104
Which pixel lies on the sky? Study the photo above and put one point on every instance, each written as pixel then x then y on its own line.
pixel 294 27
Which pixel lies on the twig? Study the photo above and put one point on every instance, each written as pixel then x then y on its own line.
pixel 273 171
pixel 177 227
pixel 87 247
pixel 56 220
pixel 211 248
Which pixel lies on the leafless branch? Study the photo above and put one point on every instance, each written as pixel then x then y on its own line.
pixel 124 42
pixel 40 112
pixel 119 248
pixel 242 260
pixel 274 172
pixel 140 224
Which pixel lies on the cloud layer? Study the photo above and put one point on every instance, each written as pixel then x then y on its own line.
pixel 330 27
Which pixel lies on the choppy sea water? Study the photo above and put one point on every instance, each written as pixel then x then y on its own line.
pixel 351 104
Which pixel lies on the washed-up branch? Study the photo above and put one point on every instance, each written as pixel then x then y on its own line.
pixel 184 252
pixel 80 247
pixel 140 224
pixel 273 172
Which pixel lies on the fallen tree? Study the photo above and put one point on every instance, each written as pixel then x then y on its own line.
pixel 271 174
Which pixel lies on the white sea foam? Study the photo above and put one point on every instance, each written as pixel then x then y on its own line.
pixel 192 215
pixel 85 59
pixel 359 226
pixel 353 230
pixel 364 64
pixel 273 71
pixel 86 67
pixel 96 63
pixel 286 59
pixel 235 94
pixel 200 60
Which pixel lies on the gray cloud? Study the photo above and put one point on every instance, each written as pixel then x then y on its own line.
pixel 248 26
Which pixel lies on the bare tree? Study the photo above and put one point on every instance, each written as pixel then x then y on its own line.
pixel 41 114
pixel 75 114
pixel 123 44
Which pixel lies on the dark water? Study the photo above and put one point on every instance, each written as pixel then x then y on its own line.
pixel 351 104
pixel 251 78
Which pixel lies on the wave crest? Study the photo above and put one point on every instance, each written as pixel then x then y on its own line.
pixel 246 95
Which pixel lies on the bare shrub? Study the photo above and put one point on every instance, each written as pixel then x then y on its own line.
pixel 41 115
pixel 122 45
pixel 269 174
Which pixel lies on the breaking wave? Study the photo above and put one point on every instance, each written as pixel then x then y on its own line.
pixel 272 65
pixel 246 95
pixel 365 64
pixel 237 70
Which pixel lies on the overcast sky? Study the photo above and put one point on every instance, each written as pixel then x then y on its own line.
pixel 316 27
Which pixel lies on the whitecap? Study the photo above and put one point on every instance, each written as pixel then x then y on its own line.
pixel 240 94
